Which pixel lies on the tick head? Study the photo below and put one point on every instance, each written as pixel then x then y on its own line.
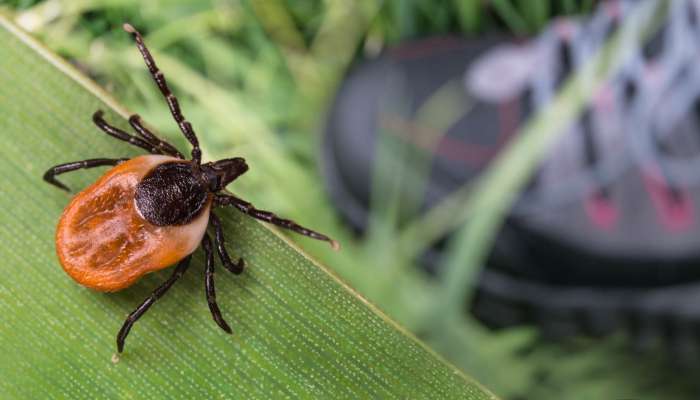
pixel 220 173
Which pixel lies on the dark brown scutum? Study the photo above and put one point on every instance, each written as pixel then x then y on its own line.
pixel 172 194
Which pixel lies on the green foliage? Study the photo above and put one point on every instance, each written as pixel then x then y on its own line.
pixel 300 332
pixel 256 77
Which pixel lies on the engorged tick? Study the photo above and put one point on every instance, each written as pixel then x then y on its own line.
pixel 150 212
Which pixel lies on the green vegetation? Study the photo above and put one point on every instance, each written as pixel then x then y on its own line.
pixel 255 78
pixel 300 332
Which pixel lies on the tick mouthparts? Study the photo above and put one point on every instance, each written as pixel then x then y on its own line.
pixel 335 245
pixel 129 28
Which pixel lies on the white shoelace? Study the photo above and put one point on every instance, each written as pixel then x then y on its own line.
pixel 644 116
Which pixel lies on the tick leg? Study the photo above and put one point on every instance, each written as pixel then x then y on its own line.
pixel 170 98
pixel 267 216
pixel 209 285
pixel 49 176
pixel 235 268
pixel 158 293
pixel 121 135
pixel 147 135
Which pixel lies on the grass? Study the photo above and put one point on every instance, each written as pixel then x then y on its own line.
pixel 255 79
pixel 300 332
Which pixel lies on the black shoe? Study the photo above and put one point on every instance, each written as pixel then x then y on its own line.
pixel 606 236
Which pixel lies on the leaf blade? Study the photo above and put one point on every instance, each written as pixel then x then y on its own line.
pixel 299 331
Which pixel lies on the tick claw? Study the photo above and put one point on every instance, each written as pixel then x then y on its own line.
pixel 61 186
pixel 226 328
pixel 219 319
pixel 237 267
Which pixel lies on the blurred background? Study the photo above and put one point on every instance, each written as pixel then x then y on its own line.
pixel 515 181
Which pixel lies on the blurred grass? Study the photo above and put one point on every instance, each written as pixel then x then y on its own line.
pixel 256 78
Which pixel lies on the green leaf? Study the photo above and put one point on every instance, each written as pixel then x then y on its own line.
pixel 299 331
pixel 510 15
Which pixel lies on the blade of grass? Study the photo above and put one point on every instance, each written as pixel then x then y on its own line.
pixel 510 15
pixel 278 23
pixel 300 331
pixel 569 6
pixel 468 14
pixel 536 12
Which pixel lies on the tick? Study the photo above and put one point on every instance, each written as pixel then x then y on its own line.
pixel 150 212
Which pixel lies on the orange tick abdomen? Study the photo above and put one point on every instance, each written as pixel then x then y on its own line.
pixel 105 244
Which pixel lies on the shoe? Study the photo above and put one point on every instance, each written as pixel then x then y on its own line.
pixel 606 235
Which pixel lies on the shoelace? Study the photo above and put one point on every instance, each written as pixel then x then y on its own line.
pixel 632 120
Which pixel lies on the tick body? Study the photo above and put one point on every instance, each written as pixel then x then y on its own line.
pixel 106 241
pixel 151 212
